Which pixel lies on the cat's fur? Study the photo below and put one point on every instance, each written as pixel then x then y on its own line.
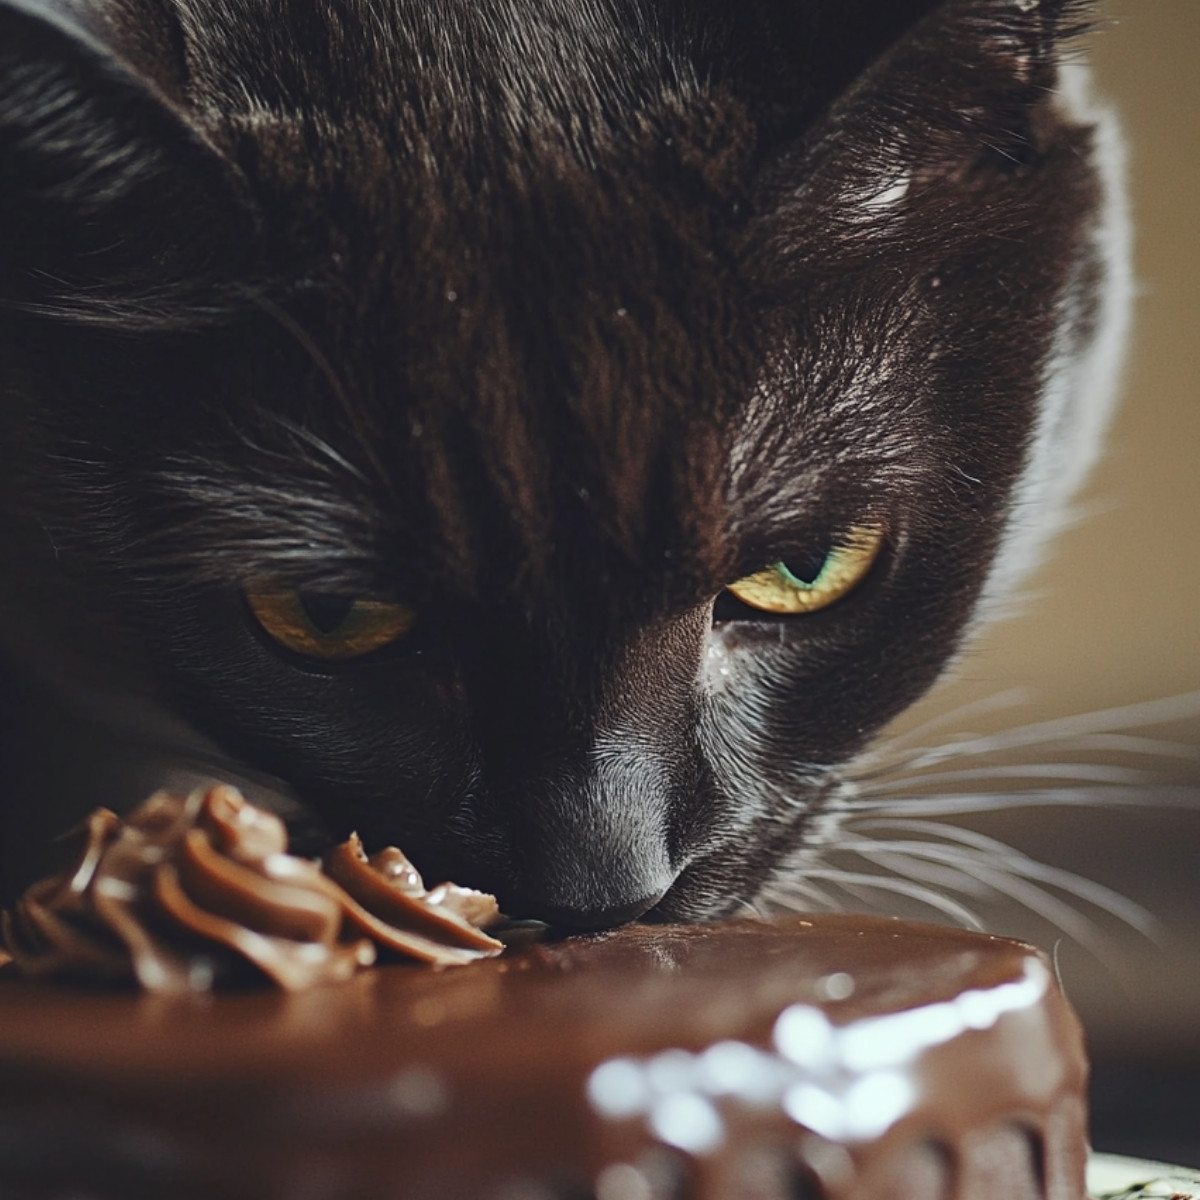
pixel 551 318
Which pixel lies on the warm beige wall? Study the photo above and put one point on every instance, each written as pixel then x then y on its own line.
pixel 1115 620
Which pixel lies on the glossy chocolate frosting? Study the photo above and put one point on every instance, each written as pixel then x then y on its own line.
pixel 832 1058
pixel 188 888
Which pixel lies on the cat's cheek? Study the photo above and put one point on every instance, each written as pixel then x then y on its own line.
pixel 379 745
pixel 720 664
pixel 756 826
pixel 740 654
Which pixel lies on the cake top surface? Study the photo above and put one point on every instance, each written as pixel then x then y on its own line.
pixel 866 1032
pixel 636 989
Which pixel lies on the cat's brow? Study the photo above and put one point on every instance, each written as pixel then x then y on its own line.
pixel 218 523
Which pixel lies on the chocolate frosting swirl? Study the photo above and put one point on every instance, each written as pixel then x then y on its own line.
pixel 387 900
pixel 186 888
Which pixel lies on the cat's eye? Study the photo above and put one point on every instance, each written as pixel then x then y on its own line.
pixel 812 580
pixel 327 626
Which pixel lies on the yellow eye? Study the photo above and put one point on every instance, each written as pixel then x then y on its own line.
pixel 327 626
pixel 803 586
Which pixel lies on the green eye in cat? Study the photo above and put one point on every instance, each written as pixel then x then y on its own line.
pixel 326 626
pixel 815 580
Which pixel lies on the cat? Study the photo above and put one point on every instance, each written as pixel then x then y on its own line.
pixel 553 436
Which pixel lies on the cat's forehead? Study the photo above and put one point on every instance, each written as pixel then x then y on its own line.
pixel 521 237
pixel 446 85
pixel 601 448
pixel 528 261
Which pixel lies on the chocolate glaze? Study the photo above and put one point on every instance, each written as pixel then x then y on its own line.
pixel 484 1083
pixel 188 887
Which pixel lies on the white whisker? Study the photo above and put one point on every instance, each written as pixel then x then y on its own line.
pixel 1083 772
pixel 750 908
pixel 867 771
pixel 787 892
pixel 1081 725
pixel 950 875
pixel 849 880
pixel 988 853
pixel 997 702
pixel 1130 743
pixel 963 804
pixel 889 814
pixel 1032 897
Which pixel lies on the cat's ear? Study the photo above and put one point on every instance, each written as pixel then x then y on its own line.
pixel 963 91
pixel 978 62
pixel 114 206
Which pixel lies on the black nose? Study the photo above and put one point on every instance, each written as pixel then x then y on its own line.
pixel 591 920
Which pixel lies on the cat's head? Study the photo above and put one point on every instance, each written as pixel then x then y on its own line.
pixel 551 437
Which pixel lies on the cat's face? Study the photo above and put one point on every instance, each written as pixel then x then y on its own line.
pixel 395 399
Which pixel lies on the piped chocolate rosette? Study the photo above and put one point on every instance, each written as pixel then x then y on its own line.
pixel 189 889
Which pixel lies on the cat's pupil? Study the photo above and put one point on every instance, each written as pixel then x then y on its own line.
pixel 326 612
pixel 806 566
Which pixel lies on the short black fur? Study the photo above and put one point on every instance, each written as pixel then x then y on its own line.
pixel 550 319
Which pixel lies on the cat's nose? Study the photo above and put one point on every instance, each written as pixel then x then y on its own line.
pixel 589 920
pixel 586 888
pixel 590 847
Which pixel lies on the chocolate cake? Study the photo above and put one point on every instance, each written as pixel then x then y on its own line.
pixel 832 1058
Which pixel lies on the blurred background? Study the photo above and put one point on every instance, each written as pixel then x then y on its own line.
pixel 1112 623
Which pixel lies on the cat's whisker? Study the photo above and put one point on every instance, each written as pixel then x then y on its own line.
pixel 795 880
pixel 868 769
pixel 986 854
pixel 1133 744
pixel 304 340
pixel 889 812
pixel 857 882
pixel 1008 879
pixel 996 702
pixel 949 875
pixel 1081 772
pixel 966 803
pixel 1028 894
pixel 326 455
pixel 749 908
pixel 318 357
pixel 797 895
pixel 1060 730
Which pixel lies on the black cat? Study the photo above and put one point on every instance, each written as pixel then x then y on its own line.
pixel 550 435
